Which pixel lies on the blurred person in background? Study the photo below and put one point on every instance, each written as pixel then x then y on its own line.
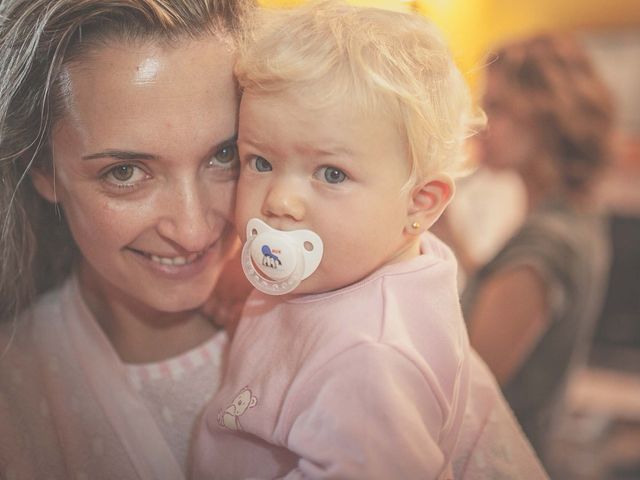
pixel 531 308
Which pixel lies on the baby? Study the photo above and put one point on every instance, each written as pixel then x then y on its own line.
pixel 353 360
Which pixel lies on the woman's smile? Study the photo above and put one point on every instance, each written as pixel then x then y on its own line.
pixel 177 267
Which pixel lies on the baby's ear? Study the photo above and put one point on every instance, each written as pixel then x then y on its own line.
pixel 428 200
pixel 44 183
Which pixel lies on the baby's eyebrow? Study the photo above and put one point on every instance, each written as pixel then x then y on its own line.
pixel 327 151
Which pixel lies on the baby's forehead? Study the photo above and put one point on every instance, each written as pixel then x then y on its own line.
pixel 291 122
pixel 319 98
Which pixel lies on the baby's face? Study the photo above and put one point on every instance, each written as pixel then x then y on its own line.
pixel 330 170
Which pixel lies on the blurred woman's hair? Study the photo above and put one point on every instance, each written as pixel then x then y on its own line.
pixel 38 37
pixel 549 83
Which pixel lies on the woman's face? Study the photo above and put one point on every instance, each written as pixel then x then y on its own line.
pixel 508 142
pixel 145 169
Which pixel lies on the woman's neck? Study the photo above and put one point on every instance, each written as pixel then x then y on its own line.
pixel 138 333
pixel 541 181
pixel 539 192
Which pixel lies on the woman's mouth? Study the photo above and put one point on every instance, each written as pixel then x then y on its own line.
pixel 175 266
pixel 177 261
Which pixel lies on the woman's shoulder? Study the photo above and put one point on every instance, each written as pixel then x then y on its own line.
pixel 564 222
pixel 17 334
pixel 555 238
pixel 32 360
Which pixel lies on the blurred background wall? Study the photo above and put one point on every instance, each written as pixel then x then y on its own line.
pixel 473 26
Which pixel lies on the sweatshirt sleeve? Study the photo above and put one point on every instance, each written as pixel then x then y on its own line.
pixel 368 413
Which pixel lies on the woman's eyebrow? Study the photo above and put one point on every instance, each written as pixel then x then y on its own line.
pixel 232 140
pixel 120 155
pixel 131 155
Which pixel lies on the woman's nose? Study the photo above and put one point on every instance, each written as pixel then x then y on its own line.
pixel 189 218
pixel 285 199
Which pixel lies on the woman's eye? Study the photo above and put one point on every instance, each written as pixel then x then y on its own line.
pixel 226 157
pixel 124 175
pixel 261 164
pixel 332 175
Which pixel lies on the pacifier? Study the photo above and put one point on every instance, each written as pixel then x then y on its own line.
pixel 276 261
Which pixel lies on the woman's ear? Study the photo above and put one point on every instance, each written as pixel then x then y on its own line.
pixel 44 183
pixel 428 200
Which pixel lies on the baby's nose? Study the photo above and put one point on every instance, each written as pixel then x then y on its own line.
pixel 285 199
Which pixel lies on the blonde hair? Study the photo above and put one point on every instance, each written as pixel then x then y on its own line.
pixel 38 37
pixel 385 63
pixel 549 82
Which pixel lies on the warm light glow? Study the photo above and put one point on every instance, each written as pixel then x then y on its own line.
pixel 472 27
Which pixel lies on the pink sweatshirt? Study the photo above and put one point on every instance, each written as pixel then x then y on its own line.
pixel 370 381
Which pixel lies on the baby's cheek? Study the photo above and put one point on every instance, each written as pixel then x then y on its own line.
pixel 247 206
pixel 333 273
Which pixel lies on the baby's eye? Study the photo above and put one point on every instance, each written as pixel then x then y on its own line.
pixel 260 164
pixel 332 175
pixel 125 175
pixel 225 157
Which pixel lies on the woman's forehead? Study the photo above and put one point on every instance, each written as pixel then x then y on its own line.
pixel 123 96
pixel 132 74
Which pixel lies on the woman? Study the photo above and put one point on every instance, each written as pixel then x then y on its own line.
pixel 530 310
pixel 118 167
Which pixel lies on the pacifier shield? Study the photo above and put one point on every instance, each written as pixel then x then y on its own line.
pixel 276 261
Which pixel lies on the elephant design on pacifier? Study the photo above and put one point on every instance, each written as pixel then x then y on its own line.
pixel 269 258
